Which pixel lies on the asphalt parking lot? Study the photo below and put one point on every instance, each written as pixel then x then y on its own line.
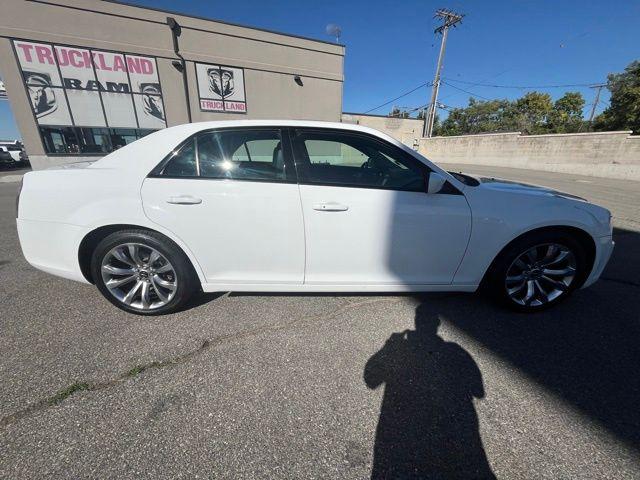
pixel 299 386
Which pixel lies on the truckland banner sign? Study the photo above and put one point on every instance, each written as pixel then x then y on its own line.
pixel 71 86
pixel 221 89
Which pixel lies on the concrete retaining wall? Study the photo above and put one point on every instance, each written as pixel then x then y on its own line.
pixel 406 130
pixel 602 154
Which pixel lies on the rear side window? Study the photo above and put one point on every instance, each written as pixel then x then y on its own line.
pixel 234 154
pixel 182 162
pixel 241 155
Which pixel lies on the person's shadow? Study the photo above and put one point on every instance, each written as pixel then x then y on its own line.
pixel 428 427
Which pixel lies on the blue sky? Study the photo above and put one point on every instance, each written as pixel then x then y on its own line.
pixel 391 47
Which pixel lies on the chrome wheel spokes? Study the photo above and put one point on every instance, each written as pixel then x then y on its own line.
pixel 540 274
pixel 139 276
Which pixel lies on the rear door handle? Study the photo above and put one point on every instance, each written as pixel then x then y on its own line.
pixel 330 207
pixel 184 200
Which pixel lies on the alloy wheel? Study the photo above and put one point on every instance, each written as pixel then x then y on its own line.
pixel 540 274
pixel 139 276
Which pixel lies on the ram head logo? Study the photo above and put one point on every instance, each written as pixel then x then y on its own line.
pixel 221 81
pixel 152 100
pixel 42 95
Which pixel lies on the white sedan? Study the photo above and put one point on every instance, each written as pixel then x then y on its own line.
pixel 296 206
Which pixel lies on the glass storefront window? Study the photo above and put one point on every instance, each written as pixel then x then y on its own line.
pixel 61 140
pixel 122 136
pixel 88 140
pixel 94 140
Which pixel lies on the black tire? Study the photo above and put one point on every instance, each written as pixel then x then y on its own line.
pixel 495 282
pixel 186 280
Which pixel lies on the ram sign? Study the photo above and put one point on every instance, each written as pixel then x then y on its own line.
pixel 77 86
pixel 221 89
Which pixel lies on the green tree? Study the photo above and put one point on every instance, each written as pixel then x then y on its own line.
pixel 566 115
pixel 478 117
pixel 396 112
pixel 530 113
pixel 623 112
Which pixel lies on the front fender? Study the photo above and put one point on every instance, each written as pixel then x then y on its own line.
pixel 497 219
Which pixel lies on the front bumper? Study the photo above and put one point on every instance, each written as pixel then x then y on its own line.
pixel 604 249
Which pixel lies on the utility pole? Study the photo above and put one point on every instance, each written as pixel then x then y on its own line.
pixel 595 102
pixel 449 19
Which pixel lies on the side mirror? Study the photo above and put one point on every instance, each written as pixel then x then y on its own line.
pixel 435 182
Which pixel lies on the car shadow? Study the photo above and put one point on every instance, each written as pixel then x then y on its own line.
pixel 585 350
pixel 200 298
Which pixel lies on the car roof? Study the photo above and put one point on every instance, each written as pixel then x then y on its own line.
pixel 197 126
pixel 151 149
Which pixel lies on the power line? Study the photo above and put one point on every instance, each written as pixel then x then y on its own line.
pixel 478 82
pixel 410 110
pixel 425 84
pixel 466 91
pixel 523 86
pixel 403 110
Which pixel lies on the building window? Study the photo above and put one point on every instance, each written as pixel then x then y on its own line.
pixel 60 140
pixel 90 102
pixel 88 140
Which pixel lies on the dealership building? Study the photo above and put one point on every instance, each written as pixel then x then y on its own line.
pixel 85 77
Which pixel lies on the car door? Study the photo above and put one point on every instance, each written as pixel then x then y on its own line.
pixel 231 196
pixel 368 219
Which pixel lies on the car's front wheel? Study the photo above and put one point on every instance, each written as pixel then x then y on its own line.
pixel 538 271
pixel 143 272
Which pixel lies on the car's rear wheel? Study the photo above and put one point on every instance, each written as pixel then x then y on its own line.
pixel 143 272
pixel 538 271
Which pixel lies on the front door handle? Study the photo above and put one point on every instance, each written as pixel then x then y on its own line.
pixel 184 200
pixel 330 207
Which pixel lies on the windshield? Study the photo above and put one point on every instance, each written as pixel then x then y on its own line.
pixel 466 179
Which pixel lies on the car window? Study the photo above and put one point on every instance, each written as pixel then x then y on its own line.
pixel 256 150
pixel 182 162
pixel 241 155
pixel 234 154
pixel 354 160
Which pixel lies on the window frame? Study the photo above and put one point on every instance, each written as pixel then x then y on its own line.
pixel 290 167
pixel 303 162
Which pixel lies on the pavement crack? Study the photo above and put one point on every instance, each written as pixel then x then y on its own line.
pixel 94 386
pixel 87 386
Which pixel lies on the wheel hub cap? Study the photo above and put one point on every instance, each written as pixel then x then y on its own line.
pixel 139 276
pixel 540 274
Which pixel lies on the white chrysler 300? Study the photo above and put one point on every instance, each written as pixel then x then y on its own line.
pixel 296 206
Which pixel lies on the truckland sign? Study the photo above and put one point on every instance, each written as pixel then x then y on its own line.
pixel 91 88
pixel 221 89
